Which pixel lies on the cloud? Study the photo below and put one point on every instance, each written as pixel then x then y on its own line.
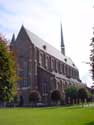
pixel 87 79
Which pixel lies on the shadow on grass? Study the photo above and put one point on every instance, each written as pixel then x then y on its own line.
pixel 90 123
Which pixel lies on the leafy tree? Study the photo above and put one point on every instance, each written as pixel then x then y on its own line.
pixel 90 96
pixel 7 72
pixel 34 97
pixel 56 96
pixel 83 94
pixel 92 56
pixel 71 92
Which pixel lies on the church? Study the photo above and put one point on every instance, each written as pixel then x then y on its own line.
pixel 42 67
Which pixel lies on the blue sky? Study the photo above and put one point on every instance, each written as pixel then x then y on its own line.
pixel 43 17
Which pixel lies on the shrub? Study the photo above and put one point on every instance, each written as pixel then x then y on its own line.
pixel 72 93
pixel 34 97
pixel 56 96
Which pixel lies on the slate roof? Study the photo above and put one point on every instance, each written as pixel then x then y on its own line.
pixel 39 43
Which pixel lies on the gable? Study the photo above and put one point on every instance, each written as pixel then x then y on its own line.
pixel 22 44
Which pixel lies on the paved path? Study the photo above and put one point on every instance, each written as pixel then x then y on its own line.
pixel 89 105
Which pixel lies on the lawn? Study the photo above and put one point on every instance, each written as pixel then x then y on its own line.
pixel 47 116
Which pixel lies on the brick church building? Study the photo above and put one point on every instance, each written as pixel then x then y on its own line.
pixel 42 67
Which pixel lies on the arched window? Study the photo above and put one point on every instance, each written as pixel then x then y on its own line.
pixel 77 75
pixel 52 64
pixel 56 66
pixel 45 87
pixel 25 74
pixel 70 70
pixel 47 61
pixel 64 69
pixel 41 58
pixel 73 73
pixel 60 67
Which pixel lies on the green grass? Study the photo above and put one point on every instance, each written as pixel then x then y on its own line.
pixel 47 116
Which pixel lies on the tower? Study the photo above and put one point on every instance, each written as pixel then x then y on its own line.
pixel 12 41
pixel 62 42
pixel 13 38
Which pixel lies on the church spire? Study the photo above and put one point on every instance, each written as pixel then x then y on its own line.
pixel 62 42
pixel 13 38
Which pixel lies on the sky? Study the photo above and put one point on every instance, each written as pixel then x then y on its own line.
pixel 43 17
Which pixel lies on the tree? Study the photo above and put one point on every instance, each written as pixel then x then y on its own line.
pixel 56 96
pixel 34 97
pixel 89 99
pixel 83 94
pixel 92 56
pixel 72 93
pixel 7 72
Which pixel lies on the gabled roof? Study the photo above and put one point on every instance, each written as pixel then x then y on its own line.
pixel 39 43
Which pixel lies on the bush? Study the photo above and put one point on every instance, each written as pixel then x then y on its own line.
pixel 71 93
pixel 34 97
pixel 82 94
pixel 56 96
